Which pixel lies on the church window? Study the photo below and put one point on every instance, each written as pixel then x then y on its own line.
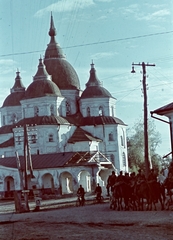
pixel 88 112
pixel 124 159
pixel 68 110
pixel 100 111
pixel 122 139
pixel 112 111
pixel 13 118
pixel 50 137
pixel 122 142
pixel 19 140
pixel 52 110
pixel 33 138
pixel 111 138
pixel 36 111
pixel 3 119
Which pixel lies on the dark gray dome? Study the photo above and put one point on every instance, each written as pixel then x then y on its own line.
pixel 62 72
pixel 13 99
pixel 41 88
pixel 42 84
pixel 94 87
pixel 95 92
pixel 17 93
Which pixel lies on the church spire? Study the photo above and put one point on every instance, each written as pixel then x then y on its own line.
pixel 18 85
pixel 93 80
pixel 41 72
pixel 52 30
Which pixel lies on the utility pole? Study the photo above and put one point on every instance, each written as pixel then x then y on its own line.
pixel 26 167
pixel 146 152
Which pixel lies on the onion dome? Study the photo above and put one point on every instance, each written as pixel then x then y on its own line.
pixel 17 93
pixel 94 87
pixel 42 84
pixel 62 72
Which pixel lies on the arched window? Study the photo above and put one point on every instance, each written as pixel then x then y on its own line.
pixel 124 159
pixel 3 119
pixel 100 111
pixel 111 138
pixel 122 142
pixel 13 118
pixel 122 138
pixel 112 108
pixel 51 137
pixel 88 112
pixel 36 111
pixel 52 110
pixel 68 110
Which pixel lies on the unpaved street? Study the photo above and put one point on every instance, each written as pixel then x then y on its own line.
pixel 88 222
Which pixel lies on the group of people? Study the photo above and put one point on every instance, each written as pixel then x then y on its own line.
pixel 129 179
pixel 98 192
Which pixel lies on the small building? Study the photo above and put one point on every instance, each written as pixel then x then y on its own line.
pixel 166 111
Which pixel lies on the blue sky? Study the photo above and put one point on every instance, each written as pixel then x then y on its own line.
pixel 112 33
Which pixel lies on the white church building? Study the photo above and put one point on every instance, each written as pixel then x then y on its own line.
pixel 74 135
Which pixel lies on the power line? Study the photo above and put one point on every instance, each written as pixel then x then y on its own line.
pixel 95 43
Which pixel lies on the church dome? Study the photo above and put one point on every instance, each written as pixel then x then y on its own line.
pixel 62 72
pixel 94 87
pixel 42 84
pixel 17 93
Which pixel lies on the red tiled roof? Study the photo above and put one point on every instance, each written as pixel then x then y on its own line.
pixel 8 143
pixel 52 160
pixel 81 135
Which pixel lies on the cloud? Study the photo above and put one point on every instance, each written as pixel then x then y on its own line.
pixel 158 15
pixel 66 6
pixel 144 13
pixel 103 0
pixel 6 66
pixel 104 55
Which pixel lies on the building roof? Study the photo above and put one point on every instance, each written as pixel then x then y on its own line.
pixel 13 99
pixel 8 143
pixel 164 110
pixel 94 87
pixel 100 120
pixel 58 160
pixel 6 129
pixel 38 120
pixel 81 135
pixel 62 72
pixel 17 93
pixel 42 84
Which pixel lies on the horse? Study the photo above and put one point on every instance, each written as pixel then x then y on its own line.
pixel 156 194
pixel 121 196
pixel 168 185
pixel 141 191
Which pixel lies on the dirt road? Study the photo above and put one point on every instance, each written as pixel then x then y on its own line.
pixel 88 222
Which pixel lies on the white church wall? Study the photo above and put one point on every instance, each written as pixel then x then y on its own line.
pixel 10 115
pixel 44 105
pixel 71 96
pixel 9 172
pixel 65 132
pixel 107 105
pixel 83 146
